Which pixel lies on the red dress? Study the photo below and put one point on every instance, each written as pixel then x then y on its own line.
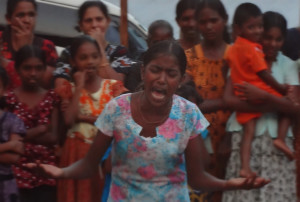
pixel 32 117
pixel 14 78
pixel 47 46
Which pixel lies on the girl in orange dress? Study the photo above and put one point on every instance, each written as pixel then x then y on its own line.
pixel 207 68
pixel 90 93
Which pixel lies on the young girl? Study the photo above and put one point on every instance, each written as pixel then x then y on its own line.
pixel 21 18
pixel 206 67
pixel 159 30
pixel 156 146
pixel 90 95
pixel 185 18
pixel 37 107
pixel 93 20
pixel 12 130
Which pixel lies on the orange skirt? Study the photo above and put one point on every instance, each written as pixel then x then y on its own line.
pixel 87 190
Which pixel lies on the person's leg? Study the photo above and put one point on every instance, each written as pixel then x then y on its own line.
pixel 26 195
pixel 42 193
pixel 249 130
pixel 283 125
pixel 45 193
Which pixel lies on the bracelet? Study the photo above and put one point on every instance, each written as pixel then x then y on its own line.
pixel 104 65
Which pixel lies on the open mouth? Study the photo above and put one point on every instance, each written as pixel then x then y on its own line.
pixel 159 94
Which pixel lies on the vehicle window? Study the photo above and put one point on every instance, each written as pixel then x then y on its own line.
pixel 137 43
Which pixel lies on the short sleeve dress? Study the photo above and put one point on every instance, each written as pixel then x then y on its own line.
pixel 150 169
pixel 9 124
pixel 32 117
pixel 266 160
pixel 78 141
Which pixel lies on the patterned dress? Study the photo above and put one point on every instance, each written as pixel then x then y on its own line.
pixel 44 44
pixel 78 141
pixel 32 117
pixel 266 160
pixel 145 168
pixel 210 82
pixel 9 124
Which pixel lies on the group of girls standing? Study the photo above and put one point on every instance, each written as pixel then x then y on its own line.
pixel 33 100
pixel 154 134
pixel 207 68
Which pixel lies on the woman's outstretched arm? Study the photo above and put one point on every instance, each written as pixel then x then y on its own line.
pixel 201 180
pixel 83 168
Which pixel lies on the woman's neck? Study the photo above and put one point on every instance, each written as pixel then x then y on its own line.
pixel 189 42
pixel 30 89
pixel 92 83
pixel 17 42
pixel 269 61
pixel 151 110
pixel 213 49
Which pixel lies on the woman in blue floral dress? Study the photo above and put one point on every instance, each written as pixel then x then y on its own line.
pixel 156 147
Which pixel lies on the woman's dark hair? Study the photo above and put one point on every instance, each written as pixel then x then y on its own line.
pixel 88 4
pixel 29 51
pixel 273 19
pixel 184 5
pixel 12 4
pixel 78 41
pixel 245 11
pixel 217 6
pixel 4 79
pixel 188 91
pixel 166 47
pixel 159 24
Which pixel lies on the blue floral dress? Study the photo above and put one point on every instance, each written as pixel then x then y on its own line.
pixel 145 168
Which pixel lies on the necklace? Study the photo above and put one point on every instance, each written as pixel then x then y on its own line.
pixel 144 118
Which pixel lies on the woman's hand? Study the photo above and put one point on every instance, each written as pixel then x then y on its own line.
pixel 246 183
pixel 23 35
pixel 46 170
pixel 250 93
pixel 79 78
pixel 99 36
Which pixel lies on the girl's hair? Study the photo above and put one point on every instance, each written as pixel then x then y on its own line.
pixel 78 41
pixel 166 47
pixel 12 4
pixel 273 19
pixel 184 5
pixel 217 6
pixel 3 77
pixel 4 80
pixel 188 91
pixel 245 11
pixel 159 24
pixel 88 4
pixel 29 51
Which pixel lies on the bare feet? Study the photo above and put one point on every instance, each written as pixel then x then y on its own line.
pixel 247 173
pixel 279 144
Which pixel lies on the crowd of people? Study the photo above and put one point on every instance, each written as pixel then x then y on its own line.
pixel 212 116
